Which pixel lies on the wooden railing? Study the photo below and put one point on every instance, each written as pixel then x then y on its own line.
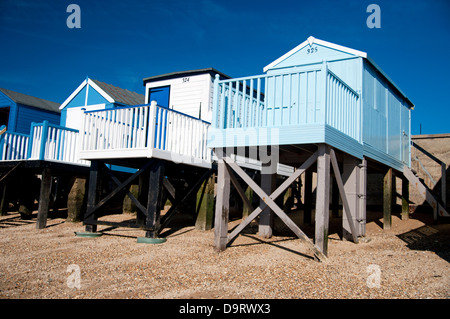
pixel 149 130
pixel 45 142
pixel 13 146
pixel 310 96
pixel 54 143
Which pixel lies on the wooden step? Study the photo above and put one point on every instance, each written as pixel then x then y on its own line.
pixel 439 210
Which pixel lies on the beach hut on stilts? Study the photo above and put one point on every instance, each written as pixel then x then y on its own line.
pixel 320 107
pixel 164 141
pixel 40 147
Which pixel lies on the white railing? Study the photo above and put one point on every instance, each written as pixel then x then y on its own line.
pixel 13 146
pixel 312 95
pixel 119 128
pixel 149 130
pixel 54 143
pixel 342 112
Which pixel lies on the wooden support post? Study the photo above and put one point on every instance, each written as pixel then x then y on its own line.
pixel 154 204
pixel 95 189
pixel 323 198
pixel 205 205
pixel 222 207
pixel 362 216
pixel 76 200
pixel 351 180
pixel 4 204
pixel 444 184
pixel 405 198
pixel 248 194
pixel 307 205
pixel 387 199
pixel 44 198
pixel 334 198
pixel 268 184
pixel 343 194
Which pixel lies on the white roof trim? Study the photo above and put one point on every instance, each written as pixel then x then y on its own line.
pixel 80 87
pixel 70 98
pixel 310 41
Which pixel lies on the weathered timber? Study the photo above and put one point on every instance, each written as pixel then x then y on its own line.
pixel 222 207
pixel 271 203
pixel 44 198
pixel 95 188
pixel 405 198
pixel 307 207
pixel 350 220
pixel 322 199
pixel 387 199
pixel 76 200
pixel 154 199
pixel 205 204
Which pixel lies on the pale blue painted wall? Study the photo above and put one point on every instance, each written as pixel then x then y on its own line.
pixel 379 120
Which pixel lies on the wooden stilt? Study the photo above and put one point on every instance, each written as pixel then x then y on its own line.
pixel 351 179
pixel 268 184
pixel 4 204
pixel 76 200
pixel 307 207
pixel 387 199
pixel 340 183
pixel 322 198
pixel 44 198
pixel 95 188
pixel 248 194
pixel 222 207
pixel 362 217
pixel 205 205
pixel 334 198
pixel 154 199
pixel 405 198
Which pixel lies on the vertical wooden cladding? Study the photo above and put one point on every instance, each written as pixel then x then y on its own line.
pixel 386 121
pixel 343 108
pixel 278 99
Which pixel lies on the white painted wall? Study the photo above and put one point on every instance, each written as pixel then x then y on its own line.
pixel 188 94
pixel 74 118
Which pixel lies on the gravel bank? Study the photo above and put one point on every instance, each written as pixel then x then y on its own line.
pixel 412 261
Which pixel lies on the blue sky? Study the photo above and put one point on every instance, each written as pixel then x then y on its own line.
pixel 122 42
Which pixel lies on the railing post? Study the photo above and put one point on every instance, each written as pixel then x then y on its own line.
pixel 30 141
pixel 151 127
pixel 324 70
pixel 44 137
pixel 2 140
pixel 216 97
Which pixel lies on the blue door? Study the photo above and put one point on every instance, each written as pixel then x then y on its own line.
pixel 161 96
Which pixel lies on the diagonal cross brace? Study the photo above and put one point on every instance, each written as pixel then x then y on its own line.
pixel 119 188
pixel 337 174
pixel 269 200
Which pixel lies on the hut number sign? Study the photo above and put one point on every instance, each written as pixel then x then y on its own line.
pixel 312 50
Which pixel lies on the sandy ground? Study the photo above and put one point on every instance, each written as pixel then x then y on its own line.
pixel 409 261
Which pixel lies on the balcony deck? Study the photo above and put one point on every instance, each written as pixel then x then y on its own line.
pixel 302 107
pixel 130 134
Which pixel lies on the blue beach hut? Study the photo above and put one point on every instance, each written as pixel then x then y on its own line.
pixel 18 111
pixel 320 102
